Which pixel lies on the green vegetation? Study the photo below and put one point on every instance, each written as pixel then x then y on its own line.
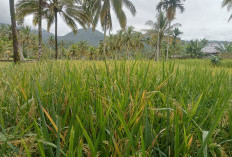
pixel 117 108
pixel 194 48
pixel 170 7
pixel 113 100
pixel 160 42
pixel 158 31
pixel 127 43
pixel 215 59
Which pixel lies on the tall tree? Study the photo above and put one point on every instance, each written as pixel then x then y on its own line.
pixel 14 33
pixel 67 9
pixel 101 9
pixel 132 40
pixel 25 40
pixel 159 18
pixel 170 7
pixel 40 28
pixel 159 28
pixel 35 8
pixel 176 34
pixel 70 12
pixel 128 38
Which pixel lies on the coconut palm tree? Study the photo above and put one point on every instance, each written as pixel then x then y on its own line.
pixel 118 42
pixel 37 9
pixel 51 41
pixel 73 49
pixel 194 48
pixel 138 41
pixel 128 36
pixel 176 33
pixel 170 7
pixel 14 33
pixel 101 10
pixel 24 39
pixel 5 32
pixel 132 39
pixel 159 28
pixel 224 47
pixel 70 12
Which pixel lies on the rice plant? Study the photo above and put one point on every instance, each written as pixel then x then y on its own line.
pixel 115 108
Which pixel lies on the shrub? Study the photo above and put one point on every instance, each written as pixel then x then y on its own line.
pixel 215 60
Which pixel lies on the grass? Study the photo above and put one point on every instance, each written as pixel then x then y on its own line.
pixel 127 108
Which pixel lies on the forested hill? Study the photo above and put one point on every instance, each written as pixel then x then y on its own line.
pixel 91 37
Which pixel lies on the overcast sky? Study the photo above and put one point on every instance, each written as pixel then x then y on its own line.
pixel 201 19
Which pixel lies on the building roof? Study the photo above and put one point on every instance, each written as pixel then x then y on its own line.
pixel 211 49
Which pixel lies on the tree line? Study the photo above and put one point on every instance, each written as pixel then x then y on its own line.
pixel 86 13
pixel 90 13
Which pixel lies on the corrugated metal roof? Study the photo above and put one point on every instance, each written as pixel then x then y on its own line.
pixel 210 49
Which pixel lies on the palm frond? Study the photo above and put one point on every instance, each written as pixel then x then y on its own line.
pixel 69 21
pixel 150 23
pixel 130 6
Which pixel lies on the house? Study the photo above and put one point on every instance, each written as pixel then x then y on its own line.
pixel 211 49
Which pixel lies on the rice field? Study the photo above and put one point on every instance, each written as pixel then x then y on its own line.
pixel 116 108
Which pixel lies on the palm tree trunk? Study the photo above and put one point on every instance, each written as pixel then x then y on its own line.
pixel 158 41
pixel 40 29
pixel 21 53
pixel 104 44
pixel 28 54
pixel 169 34
pixel 56 42
pixel 20 49
pixel 174 42
pixel 158 47
pixel 13 23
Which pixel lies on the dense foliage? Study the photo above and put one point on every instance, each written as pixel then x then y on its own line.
pixel 127 43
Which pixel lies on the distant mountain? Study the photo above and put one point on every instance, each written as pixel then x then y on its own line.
pixel 46 35
pixel 91 37
pixel 4 24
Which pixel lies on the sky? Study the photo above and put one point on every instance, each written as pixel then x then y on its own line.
pixel 201 19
